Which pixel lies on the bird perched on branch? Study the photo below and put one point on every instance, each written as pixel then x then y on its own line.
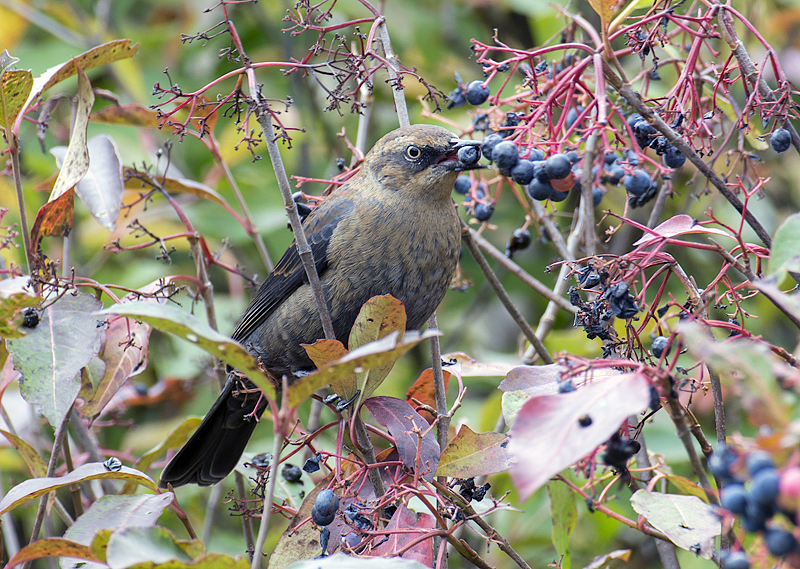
pixel 391 229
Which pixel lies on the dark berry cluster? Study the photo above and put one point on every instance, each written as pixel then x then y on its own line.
pixel 615 300
pixel 475 93
pixel 764 499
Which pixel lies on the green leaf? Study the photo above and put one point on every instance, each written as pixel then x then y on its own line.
pixel 565 515
pixel 36 487
pixel 52 354
pixel 171 319
pixel 33 460
pixel 785 254
pixel 15 86
pixel 686 520
pixel 472 454
pixel 134 545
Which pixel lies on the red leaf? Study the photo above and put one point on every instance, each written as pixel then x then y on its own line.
pixel 54 218
pixel 405 519
pixel 407 427
pixel 424 392
pixel 679 225
pixel 548 434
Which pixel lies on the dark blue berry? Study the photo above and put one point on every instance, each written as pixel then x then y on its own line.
pixel 572 116
pixel 757 461
pixel 764 487
pixel 463 184
pixel 756 515
pixel 483 211
pixel 539 172
pixel 734 498
pixel 720 463
pixel 325 506
pixel 351 540
pixel 469 154
pixel 535 155
pixel 614 173
pixel 597 195
pixel 573 157
pixel 658 345
pixel 631 157
pixel 736 560
pixel 477 93
pixel 557 166
pixel 610 157
pixel 520 239
pixel 522 173
pixel 780 140
pixel 506 156
pixel 673 157
pixel 633 119
pixel 540 190
pixel 637 182
pixel 558 196
pixel 489 143
pixel 779 542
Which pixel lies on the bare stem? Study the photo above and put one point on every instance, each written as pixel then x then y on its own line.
pixel 501 293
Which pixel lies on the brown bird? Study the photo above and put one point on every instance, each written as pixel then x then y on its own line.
pixel 391 229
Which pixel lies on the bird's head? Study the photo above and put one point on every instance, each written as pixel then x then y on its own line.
pixel 419 159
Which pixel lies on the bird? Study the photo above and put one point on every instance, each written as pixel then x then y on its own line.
pixel 392 228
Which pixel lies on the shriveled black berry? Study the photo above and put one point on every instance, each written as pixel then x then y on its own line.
pixel 483 211
pixel 30 318
pixel 456 98
pixel 291 473
pixel 324 537
pixel 520 239
pixel 477 93
pixel 506 156
pixel 522 172
pixel 463 184
pixel 645 133
pixel 540 190
pixel 619 450
pixel 481 121
pixel 781 140
pixel 621 301
pixel 312 464
pixel 469 154
pixel 637 182
pixel 673 157
pixel 325 506
pixel 557 166
pixel 488 145
pixel 658 345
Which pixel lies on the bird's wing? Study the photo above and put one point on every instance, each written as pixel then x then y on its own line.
pixel 289 274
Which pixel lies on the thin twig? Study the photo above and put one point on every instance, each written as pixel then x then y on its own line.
pixel 51 469
pixel 273 477
pixel 501 293
pixel 491 533
pixel 523 275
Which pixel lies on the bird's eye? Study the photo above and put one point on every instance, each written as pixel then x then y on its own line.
pixel 413 153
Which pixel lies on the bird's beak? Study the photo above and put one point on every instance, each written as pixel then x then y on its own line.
pixel 450 158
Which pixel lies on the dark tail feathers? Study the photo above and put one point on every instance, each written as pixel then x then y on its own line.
pixel 218 443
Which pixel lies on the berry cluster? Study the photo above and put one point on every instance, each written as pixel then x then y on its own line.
pixel 758 494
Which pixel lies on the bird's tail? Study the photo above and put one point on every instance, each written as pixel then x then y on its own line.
pixel 218 443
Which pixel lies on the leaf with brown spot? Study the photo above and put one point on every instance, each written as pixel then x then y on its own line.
pixel 15 86
pixel 473 454
pixel 54 218
pixel 129 115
